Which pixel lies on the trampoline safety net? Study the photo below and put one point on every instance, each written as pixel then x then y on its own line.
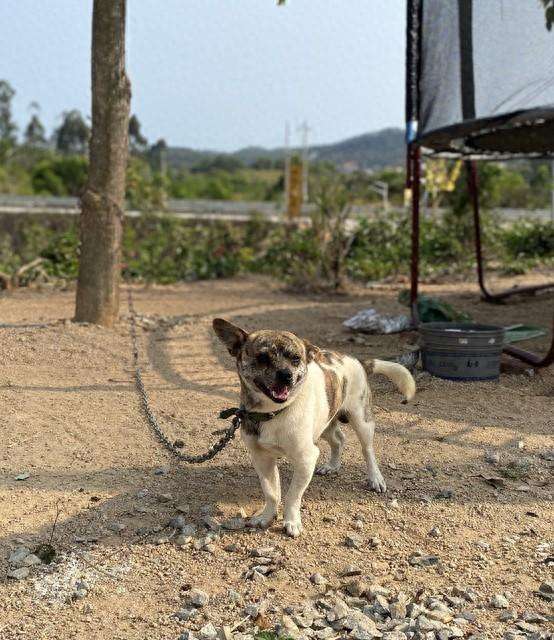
pixel 480 77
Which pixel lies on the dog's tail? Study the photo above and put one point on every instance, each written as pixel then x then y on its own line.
pixel 395 372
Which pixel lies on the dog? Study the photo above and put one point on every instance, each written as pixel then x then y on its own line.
pixel 293 394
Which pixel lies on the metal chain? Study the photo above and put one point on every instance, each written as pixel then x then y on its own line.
pixel 216 448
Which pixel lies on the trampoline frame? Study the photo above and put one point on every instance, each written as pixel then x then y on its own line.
pixel 413 175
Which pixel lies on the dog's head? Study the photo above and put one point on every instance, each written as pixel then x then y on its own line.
pixel 272 364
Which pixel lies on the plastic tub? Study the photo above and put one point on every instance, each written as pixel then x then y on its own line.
pixel 461 351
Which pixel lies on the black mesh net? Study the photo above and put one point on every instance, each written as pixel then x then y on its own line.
pixel 480 77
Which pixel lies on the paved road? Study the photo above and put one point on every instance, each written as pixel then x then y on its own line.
pixel 214 209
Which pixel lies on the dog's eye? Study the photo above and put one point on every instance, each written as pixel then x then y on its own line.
pixel 263 359
pixel 293 358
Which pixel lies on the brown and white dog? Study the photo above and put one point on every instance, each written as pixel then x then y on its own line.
pixel 295 394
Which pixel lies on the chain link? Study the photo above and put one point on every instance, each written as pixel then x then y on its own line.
pixel 216 448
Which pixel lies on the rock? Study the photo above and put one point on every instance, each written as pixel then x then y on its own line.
pixel 435 532
pixel 358 525
pixel 187 613
pixel 208 632
pixel 357 587
pixel 178 522
pixel 226 633
pixel 18 556
pixel 374 542
pixel 211 523
pixel 492 457
pixel 397 608
pixel 18 574
pixel 467 594
pixel 318 579
pixel 325 634
pixel 198 598
pixel 349 571
pixel 526 627
pixel 499 601
pixel 394 635
pixel 142 493
pixel 420 560
pixel 339 610
pixel 365 631
pixel 161 471
pixel 288 628
pixel 546 590
pixel 234 596
pixel 116 527
pixel 164 497
pixel 262 551
pixel 183 508
pixel 31 560
pixel 353 541
pixel 22 476
pixel 508 616
pixel 183 540
pixel 533 616
pixel 444 494
pixel 187 635
pixel 234 524
pixel 393 504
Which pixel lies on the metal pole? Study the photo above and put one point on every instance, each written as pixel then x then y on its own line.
pixel 414 168
pixel 287 168
pixel 552 192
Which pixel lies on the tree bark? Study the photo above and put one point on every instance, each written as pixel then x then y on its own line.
pixel 103 200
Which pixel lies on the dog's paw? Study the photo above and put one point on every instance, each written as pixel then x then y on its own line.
pixel 326 470
pixel 261 521
pixel 377 483
pixel 292 529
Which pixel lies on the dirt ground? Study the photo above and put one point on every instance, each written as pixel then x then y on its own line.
pixel 71 419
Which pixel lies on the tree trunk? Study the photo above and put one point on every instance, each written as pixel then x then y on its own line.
pixel 103 199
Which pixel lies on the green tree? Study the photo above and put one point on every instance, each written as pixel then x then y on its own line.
pixel 137 141
pixel 8 128
pixel 72 136
pixel 35 134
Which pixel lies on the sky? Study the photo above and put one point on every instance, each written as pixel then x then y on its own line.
pixel 219 74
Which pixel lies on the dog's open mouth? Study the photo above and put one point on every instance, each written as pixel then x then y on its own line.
pixel 276 392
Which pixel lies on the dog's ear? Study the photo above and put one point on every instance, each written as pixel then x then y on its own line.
pixel 311 351
pixel 233 337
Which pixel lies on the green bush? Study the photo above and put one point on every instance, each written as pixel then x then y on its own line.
pixel 60 176
pixel 530 240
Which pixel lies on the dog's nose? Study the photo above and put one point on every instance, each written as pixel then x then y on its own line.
pixel 284 376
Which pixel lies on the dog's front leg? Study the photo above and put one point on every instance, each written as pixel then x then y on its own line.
pixel 304 467
pixel 266 467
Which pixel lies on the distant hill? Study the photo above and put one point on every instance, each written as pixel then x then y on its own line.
pixel 367 151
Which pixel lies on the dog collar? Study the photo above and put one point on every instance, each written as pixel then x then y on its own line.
pixel 251 416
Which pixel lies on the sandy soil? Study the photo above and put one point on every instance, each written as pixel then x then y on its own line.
pixel 70 418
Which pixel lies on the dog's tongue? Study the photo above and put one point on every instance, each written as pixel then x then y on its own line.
pixel 280 392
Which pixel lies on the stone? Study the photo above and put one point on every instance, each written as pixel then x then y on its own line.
pixel 353 541
pixel 187 635
pixel 397 609
pixel 338 611
pixel 467 594
pixel 234 596
pixel 492 457
pixel 546 590
pixel 508 616
pixel 421 560
pixel 262 551
pixel 187 613
pixel 198 598
pixel 325 634
pixel 208 632
pixel 116 527
pixel 178 522
pixel 435 532
pixel 226 633
pixel 288 628
pixel 349 571
pixel 499 601
pixel 18 574
pixel 183 540
pixel 164 497
pixel 533 616
pixel 234 524
pixel 357 587
pixel 318 579
pixel 182 508
pixel 18 555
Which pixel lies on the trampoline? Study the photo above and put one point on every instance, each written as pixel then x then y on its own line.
pixel 479 86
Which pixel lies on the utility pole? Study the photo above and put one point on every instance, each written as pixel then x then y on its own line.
pixel 382 188
pixel 552 192
pixel 287 165
pixel 304 129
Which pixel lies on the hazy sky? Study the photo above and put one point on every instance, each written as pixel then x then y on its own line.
pixel 220 73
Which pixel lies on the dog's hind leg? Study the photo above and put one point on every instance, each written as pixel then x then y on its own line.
pixel 335 437
pixel 361 419
pixel 266 467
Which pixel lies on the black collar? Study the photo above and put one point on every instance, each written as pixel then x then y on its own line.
pixel 251 416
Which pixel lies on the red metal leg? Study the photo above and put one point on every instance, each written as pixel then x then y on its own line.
pixel 414 171
pixel 526 356
pixel 488 296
